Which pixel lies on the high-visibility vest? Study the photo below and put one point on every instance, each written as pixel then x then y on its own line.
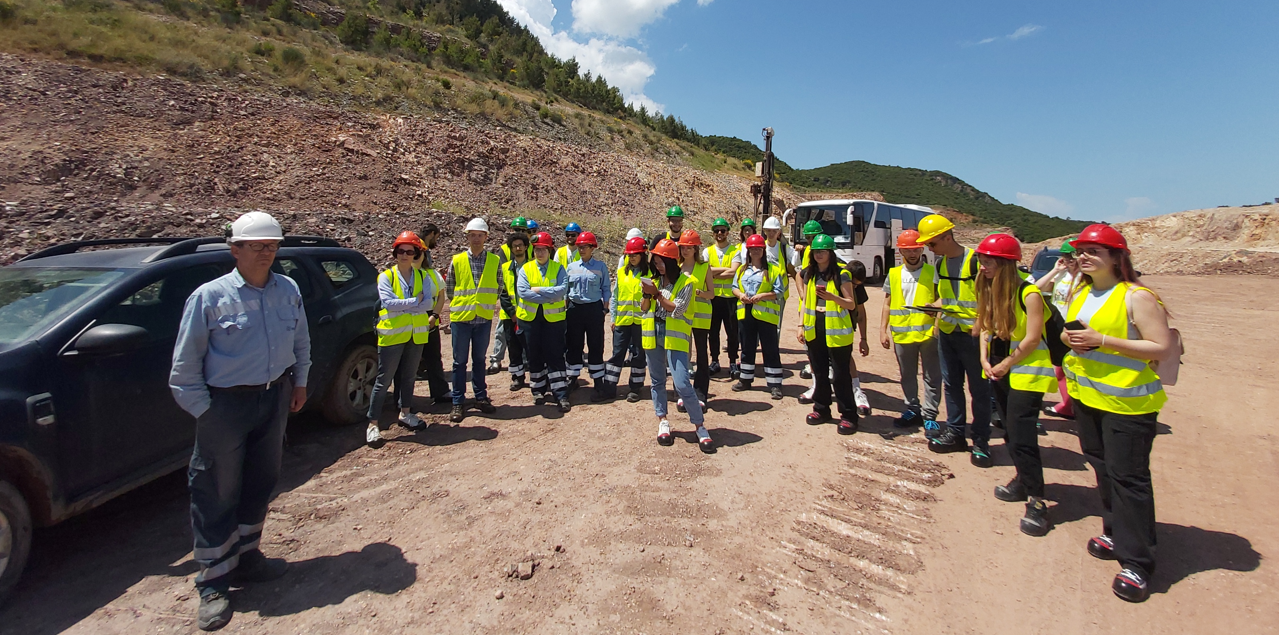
pixel 765 311
pixel 907 326
pixel 962 311
pixel 509 274
pixel 777 271
pixel 552 311
pixel 630 293
pixel 506 252
pixel 679 331
pixel 398 328
pixel 723 286
pixel 839 321
pixel 1034 373
pixel 700 308
pixel 1104 378
pixel 469 301
pixel 564 256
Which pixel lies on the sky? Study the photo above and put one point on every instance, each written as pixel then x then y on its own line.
pixel 1086 109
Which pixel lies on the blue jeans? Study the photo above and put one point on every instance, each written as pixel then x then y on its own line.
pixel 399 361
pixel 658 359
pixel 239 441
pixel 499 343
pixel 960 357
pixel 470 338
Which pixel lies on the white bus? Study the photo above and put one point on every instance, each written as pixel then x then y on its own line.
pixel 863 230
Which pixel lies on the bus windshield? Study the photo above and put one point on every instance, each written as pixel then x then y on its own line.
pixel 33 299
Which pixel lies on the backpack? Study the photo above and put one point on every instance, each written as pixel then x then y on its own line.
pixel 1054 324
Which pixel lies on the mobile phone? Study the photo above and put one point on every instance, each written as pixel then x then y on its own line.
pixel 1075 325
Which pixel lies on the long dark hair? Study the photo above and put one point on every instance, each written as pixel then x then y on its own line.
pixel 671 265
pixel 642 267
pixel 813 269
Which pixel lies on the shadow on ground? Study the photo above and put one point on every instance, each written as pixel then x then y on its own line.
pixel 329 580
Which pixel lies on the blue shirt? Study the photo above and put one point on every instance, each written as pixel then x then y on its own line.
pixel 234 334
pixel 542 295
pixel 587 281
pixel 409 304
pixel 752 279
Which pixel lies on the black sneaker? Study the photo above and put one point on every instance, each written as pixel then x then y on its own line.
pixel 1035 522
pixel 256 567
pixel 981 457
pixel 909 419
pixel 565 406
pixel 493 369
pixel 775 393
pixel 1013 492
pixel 948 442
pixel 517 384
pixel 817 417
pixel 539 399
pixel 215 611
pixel 632 397
pixel 1130 585
pixel 805 374
pixel 457 414
pixel 846 426
pixel 1102 547
pixel 485 406
pixel 741 386
pixel 734 372
pixel 714 368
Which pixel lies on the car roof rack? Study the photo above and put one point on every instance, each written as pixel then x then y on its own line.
pixel 177 245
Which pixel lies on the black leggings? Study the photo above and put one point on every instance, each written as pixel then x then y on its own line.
pixel 1118 448
pixel 822 358
pixel 702 378
pixel 1019 410
pixel 724 311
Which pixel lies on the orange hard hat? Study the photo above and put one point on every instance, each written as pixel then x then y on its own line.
pixel 668 248
pixel 690 238
pixel 1000 246
pixel 543 239
pixel 407 238
pixel 636 246
pixel 586 238
pixel 755 240
pixel 1100 234
pixel 908 239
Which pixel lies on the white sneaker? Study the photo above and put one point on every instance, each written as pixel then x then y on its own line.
pixel 411 421
pixel 863 405
pixel 664 433
pixel 373 435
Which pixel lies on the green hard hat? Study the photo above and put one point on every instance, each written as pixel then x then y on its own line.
pixel 719 222
pixel 1067 248
pixel 812 228
pixel 519 223
pixel 748 222
pixel 822 241
pixel 675 212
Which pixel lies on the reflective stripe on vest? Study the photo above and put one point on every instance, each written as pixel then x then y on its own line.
pixel 679 331
pixel 701 309
pixel 1034 373
pixel 907 326
pixel 964 306
pixel 508 280
pixel 469 301
pixel 630 295
pixel 766 311
pixel 839 321
pixel 551 311
pixel 1106 379
pixel 400 327
pixel 723 286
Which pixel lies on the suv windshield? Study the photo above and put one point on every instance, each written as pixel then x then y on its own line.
pixel 32 299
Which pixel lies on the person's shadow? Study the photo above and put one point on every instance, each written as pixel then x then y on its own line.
pixel 329 580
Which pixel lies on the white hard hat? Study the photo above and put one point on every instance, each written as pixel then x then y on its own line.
pixel 634 233
pixel 477 225
pixel 255 226
pixel 772 223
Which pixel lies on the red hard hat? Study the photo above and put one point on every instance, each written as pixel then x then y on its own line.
pixel 1103 235
pixel 668 248
pixel 908 239
pixel 543 239
pixel 407 238
pixel 586 238
pixel 636 246
pixel 690 238
pixel 755 240
pixel 1000 246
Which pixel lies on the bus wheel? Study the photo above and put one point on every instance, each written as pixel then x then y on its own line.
pixel 879 271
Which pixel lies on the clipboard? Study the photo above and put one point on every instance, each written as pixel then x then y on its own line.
pixel 931 310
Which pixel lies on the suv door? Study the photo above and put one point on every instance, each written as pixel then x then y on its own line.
pixel 318 303
pixel 121 417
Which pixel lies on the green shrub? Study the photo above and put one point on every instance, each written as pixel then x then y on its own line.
pixel 174 7
pixel 263 49
pixel 354 30
pixel 281 10
pixel 229 10
pixel 292 57
pixel 557 117
pixel 544 112
pixel 448 85
pixel 7 11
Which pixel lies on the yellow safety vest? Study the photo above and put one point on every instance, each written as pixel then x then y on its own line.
pixel 679 331
pixel 470 302
pixel 1104 378
pixel 509 275
pixel 839 321
pixel 701 308
pixel 907 326
pixel 1034 373
pixel 630 293
pixel 765 311
pixel 963 309
pixel 723 286
pixel 564 256
pixel 398 328
pixel 552 311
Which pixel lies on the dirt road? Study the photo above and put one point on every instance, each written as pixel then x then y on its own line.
pixel 787 528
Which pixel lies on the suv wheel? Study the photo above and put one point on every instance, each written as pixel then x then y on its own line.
pixel 15 537
pixel 349 395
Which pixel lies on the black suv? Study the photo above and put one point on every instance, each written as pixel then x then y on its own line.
pixel 86 344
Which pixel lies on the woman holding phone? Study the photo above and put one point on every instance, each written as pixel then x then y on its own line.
pixel 829 304
pixel 1115 329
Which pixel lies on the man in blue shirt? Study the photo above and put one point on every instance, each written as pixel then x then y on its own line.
pixel 588 285
pixel 239 367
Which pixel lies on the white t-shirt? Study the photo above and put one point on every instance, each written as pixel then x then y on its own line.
pixel 1061 291
pixel 910 284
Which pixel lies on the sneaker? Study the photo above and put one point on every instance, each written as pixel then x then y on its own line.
pixel 679 405
pixel 704 442
pixel 846 426
pixel 714 368
pixel 948 442
pixel 539 399
pixel 373 436
pixel 664 433
pixel 806 373
pixel 932 429
pixel 518 383
pixel 776 393
pixel 741 386
pixel 817 417
pixel 457 414
pixel 806 397
pixel 1013 492
pixel 565 406
pixel 215 611
pixel 485 406
pixel 734 371
pixel 256 567
pixel 1102 547
pixel 493 369
pixel 1035 522
pixel 863 405
pixel 632 397
pixel 411 421
pixel 981 457
pixel 1130 585
pixel 909 419
pixel 1051 410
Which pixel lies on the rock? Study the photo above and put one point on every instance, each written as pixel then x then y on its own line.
pixel 499 595
pixel 741 577
pixel 558 548
pixel 688 540
pixel 524 570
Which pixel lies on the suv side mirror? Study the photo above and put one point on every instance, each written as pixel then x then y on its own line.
pixel 108 339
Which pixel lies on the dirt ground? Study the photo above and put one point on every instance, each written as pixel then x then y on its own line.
pixel 787 528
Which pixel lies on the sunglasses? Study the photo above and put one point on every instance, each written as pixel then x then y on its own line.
pixel 258 248
pixel 571 235
pixel 721 230
pixel 406 252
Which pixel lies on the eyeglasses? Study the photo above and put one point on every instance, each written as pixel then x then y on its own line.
pixel 570 236
pixel 406 252
pixel 1092 252
pixel 258 248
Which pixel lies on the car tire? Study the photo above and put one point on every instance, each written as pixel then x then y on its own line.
pixel 15 537
pixel 347 399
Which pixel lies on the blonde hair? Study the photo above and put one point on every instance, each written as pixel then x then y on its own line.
pixel 997 299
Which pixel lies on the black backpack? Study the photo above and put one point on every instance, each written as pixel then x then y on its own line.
pixel 1053 327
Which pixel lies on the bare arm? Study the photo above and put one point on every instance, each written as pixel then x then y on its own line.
pixel 1151 321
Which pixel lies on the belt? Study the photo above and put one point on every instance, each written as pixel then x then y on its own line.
pixel 251 388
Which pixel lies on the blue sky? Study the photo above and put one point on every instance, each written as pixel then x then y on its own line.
pixel 1096 110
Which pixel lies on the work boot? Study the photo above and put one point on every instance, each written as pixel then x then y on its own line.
pixel 539 399
pixel 741 385
pixel 714 368
pixel 1035 522
pixel 776 393
pixel 948 442
pixel 215 610
pixel 1013 492
pixel 1102 547
pixel 734 371
pixel 599 395
pixel 632 396
pixel 565 406
pixel 846 426
pixel 493 369
pixel 1130 585
pixel 518 383
pixel 485 406
pixel 981 456
pixel 256 567
pixel 458 413
pixel 817 416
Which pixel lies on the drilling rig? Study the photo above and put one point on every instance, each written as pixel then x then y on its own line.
pixel 762 188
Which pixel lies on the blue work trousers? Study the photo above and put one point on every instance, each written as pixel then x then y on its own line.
pixel 960 359
pixel 470 339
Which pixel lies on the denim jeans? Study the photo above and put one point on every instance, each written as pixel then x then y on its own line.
pixel 399 361
pixel 239 442
pixel 960 359
pixel 658 359
pixel 470 339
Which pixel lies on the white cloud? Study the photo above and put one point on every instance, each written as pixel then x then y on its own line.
pixel 988 40
pixel 1045 204
pixel 617 18
pixel 1025 31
